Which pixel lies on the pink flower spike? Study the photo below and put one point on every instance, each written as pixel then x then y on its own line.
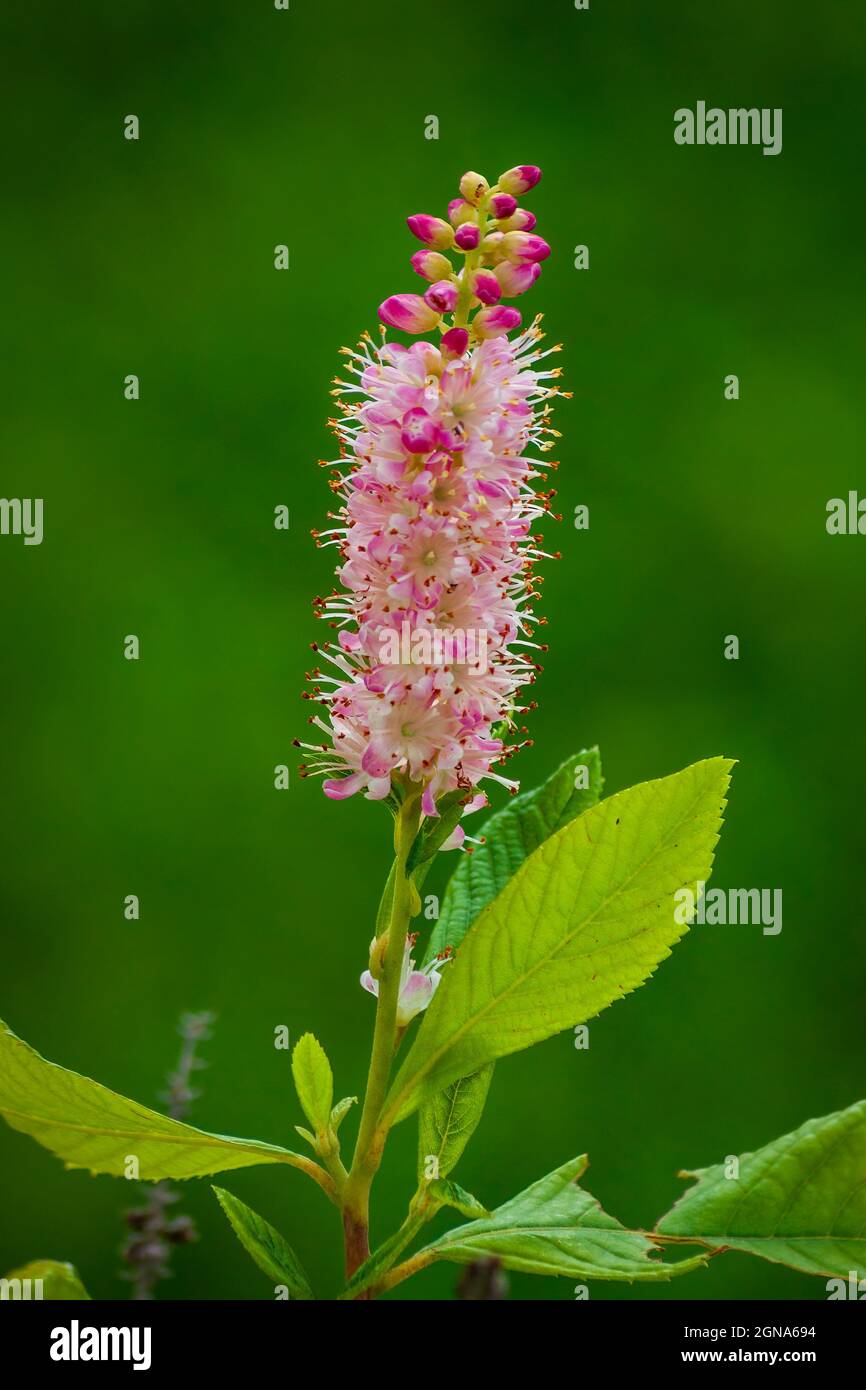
pixel 433 231
pixel 486 287
pixel 455 342
pixel 466 236
pixel 516 279
pixel 442 296
pixel 408 312
pixel 524 246
pixel 503 204
pixel 496 321
pixel 441 438
pixel 520 179
pixel 419 432
pixel 432 265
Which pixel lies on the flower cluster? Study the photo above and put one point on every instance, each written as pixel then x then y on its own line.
pixel 436 509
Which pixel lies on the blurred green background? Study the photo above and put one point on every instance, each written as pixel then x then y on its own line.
pixel 707 518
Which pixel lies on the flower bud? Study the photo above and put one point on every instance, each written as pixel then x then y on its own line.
pixel 521 221
pixel 519 179
pixel 473 187
pixel 516 279
pixel 525 246
pixel 492 245
pixel 455 342
pixel 486 287
pixel 432 265
pixel 496 321
pixel 408 312
pixel 466 236
pixel 442 296
pixel 502 205
pixel 460 211
pixel 433 231
pixel 419 431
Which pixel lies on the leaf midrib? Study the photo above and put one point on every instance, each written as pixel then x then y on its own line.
pixel 196 1137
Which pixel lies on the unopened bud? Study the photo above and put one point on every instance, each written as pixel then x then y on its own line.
pixel 521 221
pixel 502 205
pixel 516 279
pixel 525 246
pixel 431 264
pixel 519 179
pixel 496 321
pixel 455 342
pixel 433 231
pixel 473 187
pixel 408 312
pixel 466 236
pixel 442 296
pixel 460 211
pixel 486 287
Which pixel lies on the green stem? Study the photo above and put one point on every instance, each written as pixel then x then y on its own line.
pixel 368 1149
pixel 473 260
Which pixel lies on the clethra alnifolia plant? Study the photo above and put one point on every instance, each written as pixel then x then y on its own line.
pixel 563 905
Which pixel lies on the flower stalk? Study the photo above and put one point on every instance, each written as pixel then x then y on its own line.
pixel 371 1139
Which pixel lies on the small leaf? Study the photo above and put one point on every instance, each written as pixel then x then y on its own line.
pixel 511 835
pixel 59 1281
pixel 265 1245
pixel 451 1194
pixel 799 1201
pixel 305 1134
pixel 556 1228
pixel 586 919
pixel 314 1082
pixel 89 1126
pixel 341 1110
pixel 448 1121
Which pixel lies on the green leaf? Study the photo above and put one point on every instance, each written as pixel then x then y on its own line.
pixel 451 1194
pixel 554 1227
pixel 89 1126
pixel 511 835
pixel 341 1110
pixel 314 1082
pixel 448 1121
pixel 59 1282
pixel 800 1201
pixel 265 1245
pixel 585 920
